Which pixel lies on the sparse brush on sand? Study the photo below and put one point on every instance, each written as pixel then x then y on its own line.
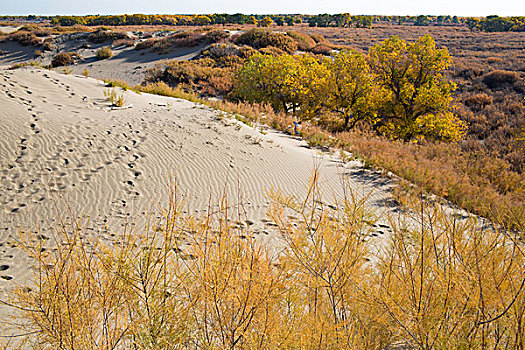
pixel 189 282
pixel 115 98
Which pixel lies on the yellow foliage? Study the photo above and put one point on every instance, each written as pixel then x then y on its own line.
pixel 435 282
pixel 399 89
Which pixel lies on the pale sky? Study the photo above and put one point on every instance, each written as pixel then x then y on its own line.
pixel 375 7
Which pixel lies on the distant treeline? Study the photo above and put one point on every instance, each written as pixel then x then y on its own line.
pixel 321 20
pixel 497 24
pixel 344 20
pixel 324 20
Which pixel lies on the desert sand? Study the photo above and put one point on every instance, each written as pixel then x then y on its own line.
pixel 66 153
pixel 126 64
pixel 8 29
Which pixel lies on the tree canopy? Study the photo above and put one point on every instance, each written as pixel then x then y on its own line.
pixel 418 96
pixel 351 89
pixel 399 88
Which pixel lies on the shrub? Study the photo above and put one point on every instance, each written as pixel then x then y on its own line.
pixel 436 282
pixel 228 54
pixel 500 78
pixel 48 45
pixel 25 64
pixel 101 36
pixel 104 52
pixel 61 59
pixel 36 30
pixel 273 51
pixel 117 100
pixel 163 89
pixel 199 75
pixel 222 50
pixel 304 41
pixel 146 44
pixel 318 38
pixel 123 42
pixel 261 38
pixel 183 39
pixel 322 49
pixel 216 36
pixel 25 38
pixel 478 101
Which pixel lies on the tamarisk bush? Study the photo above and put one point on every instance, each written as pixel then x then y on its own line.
pixel 434 281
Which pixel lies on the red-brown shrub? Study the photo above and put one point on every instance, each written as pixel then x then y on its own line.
pixel 261 38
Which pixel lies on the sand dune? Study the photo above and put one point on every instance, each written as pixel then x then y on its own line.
pixel 9 29
pixel 65 153
pixel 126 63
pixel 61 142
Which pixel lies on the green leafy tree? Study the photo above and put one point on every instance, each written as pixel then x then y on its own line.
pixel 279 21
pixel 421 20
pixel 265 22
pixel 472 23
pixel 418 97
pixel 362 21
pixel 343 20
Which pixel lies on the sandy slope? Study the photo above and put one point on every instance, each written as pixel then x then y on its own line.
pixel 61 144
pixel 8 29
pixel 126 64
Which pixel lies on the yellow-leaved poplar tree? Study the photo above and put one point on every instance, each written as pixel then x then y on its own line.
pixel 417 93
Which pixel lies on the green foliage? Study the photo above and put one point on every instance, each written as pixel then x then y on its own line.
pixel 362 21
pixel 104 52
pixel 265 22
pixel 497 24
pixel 421 20
pixel 342 20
